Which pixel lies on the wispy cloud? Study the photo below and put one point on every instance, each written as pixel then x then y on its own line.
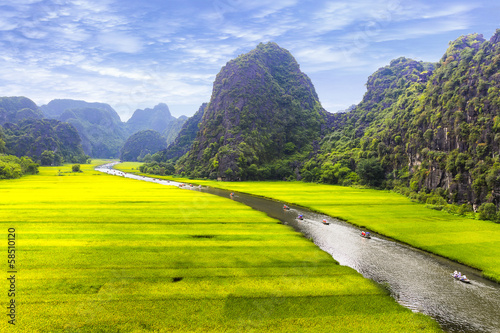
pixel 136 54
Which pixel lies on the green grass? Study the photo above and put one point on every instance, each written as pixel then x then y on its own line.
pixel 475 243
pixel 100 253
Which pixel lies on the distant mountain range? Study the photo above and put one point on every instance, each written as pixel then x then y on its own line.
pixel 101 132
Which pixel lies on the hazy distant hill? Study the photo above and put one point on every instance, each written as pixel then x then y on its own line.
pixel 184 140
pixel 156 119
pixel 56 107
pixel 14 109
pixel 262 112
pixel 102 132
pixel 173 128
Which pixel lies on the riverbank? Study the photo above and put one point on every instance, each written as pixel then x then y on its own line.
pixel 475 243
pixel 106 253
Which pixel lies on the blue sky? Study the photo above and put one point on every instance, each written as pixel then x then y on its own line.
pixel 136 54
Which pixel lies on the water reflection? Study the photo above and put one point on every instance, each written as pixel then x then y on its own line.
pixel 418 280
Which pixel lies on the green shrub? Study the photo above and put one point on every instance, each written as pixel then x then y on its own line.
pixel 487 211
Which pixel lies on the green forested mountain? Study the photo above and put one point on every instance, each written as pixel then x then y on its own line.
pixel 14 109
pixel 263 115
pixel 24 134
pixel 142 143
pixel 434 128
pixel 47 140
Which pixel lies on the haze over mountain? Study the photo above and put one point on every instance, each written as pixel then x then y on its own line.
pixel 102 132
pixel 156 119
pixel 14 109
pixel 184 140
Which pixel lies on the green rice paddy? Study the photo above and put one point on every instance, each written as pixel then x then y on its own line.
pixel 100 253
pixel 475 243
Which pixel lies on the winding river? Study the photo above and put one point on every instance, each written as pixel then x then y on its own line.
pixel 418 280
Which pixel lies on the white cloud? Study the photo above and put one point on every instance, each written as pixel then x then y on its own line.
pixel 422 29
pixel 119 42
pixel 131 53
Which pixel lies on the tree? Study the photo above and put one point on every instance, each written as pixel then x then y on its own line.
pixel 76 168
pixel 370 171
pixel 47 157
pixel 487 211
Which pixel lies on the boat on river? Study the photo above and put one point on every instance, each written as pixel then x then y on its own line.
pixel 366 235
pixel 461 278
pixel 325 222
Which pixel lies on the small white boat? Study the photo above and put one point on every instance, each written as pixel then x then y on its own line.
pixel 366 235
pixel 460 278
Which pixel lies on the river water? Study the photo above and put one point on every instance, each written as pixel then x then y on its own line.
pixel 418 280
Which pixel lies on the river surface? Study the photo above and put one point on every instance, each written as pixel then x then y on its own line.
pixel 418 280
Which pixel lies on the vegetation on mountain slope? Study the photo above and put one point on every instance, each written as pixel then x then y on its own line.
pixel 263 115
pixel 141 144
pixel 48 141
pixel 433 130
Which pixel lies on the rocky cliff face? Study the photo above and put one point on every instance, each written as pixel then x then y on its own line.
pixel 458 118
pixel 262 108
pixel 434 127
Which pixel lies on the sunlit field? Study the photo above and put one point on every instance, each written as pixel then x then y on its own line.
pixel 101 253
pixel 473 242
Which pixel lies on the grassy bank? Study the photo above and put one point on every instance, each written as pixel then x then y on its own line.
pixel 100 253
pixel 473 242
